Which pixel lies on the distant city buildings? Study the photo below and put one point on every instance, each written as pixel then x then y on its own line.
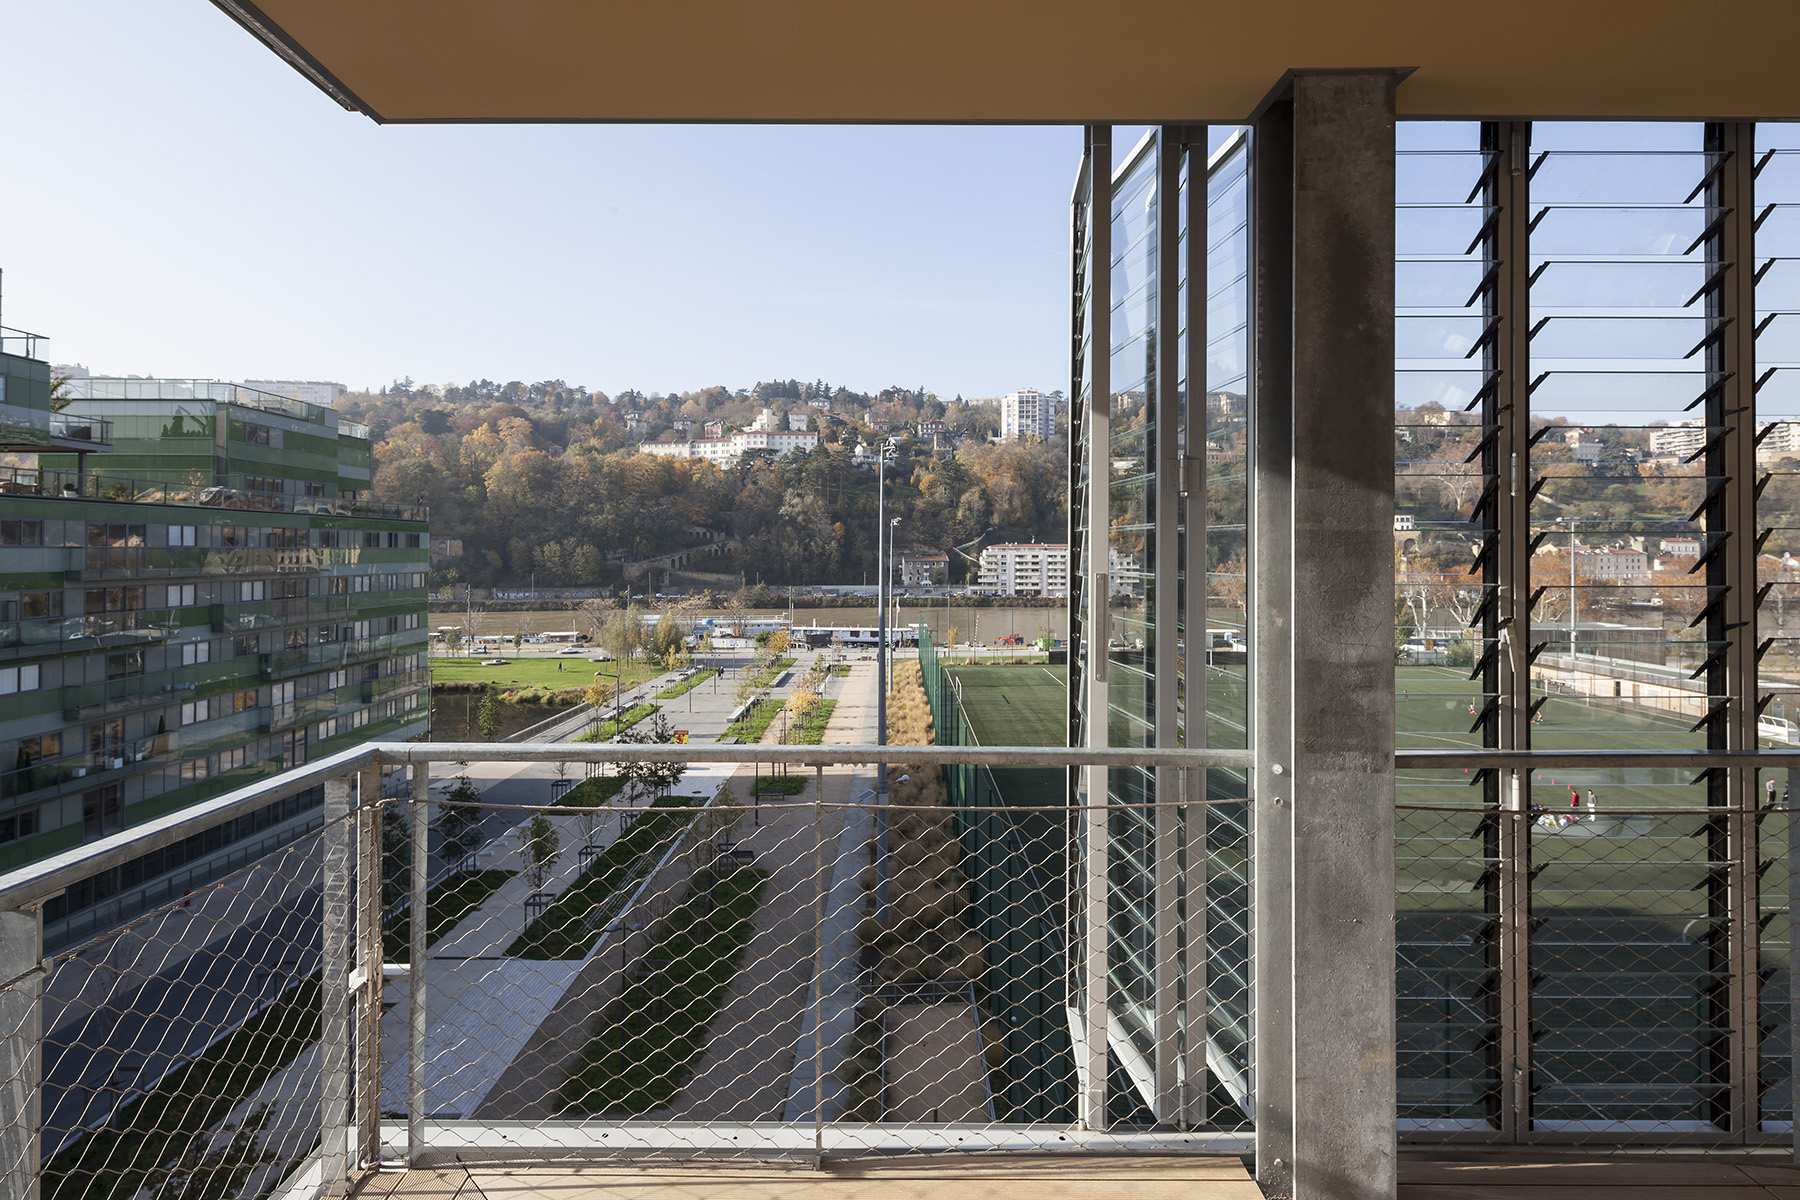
pixel 1027 413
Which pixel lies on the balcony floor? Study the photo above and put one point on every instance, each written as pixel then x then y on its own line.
pixel 1090 1177
pixel 1042 1177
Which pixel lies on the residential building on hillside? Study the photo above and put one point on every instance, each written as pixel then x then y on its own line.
pixel 1613 565
pixel 923 570
pixel 217 601
pixel 1027 413
pixel 1678 437
pixel 1024 569
pixel 723 451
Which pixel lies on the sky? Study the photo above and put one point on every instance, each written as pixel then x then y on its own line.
pixel 201 210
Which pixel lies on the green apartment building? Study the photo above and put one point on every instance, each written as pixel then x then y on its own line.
pixel 196 591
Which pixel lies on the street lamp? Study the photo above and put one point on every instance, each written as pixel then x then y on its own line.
pixel 881 678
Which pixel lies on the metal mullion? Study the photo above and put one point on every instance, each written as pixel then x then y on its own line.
pixel 1097 934
pixel 1196 931
pixel 417 1011
pixel 1508 792
pixel 1733 457
pixel 1166 543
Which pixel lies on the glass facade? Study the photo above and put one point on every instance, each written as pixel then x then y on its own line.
pixel 1160 598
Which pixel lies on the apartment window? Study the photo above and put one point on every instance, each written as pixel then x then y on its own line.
pixel 182 595
pixel 120 666
pixel 340 585
pixel 251 590
pixel 101 812
pixel 244 645
pixel 194 770
pixel 113 600
pixel 115 546
pixel 35 605
pixel 231 760
pixel 336 679
pixel 38 748
pixel 293 748
pixel 195 653
pixel 20 679
pixel 327 729
pixel 183 535
pixel 282 693
pixel 262 435
pixel 243 701
pixel 414 541
pixel 328 539
pixel 371 540
pixel 195 711
pixel 315 490
pixel 21 533
pixel 268 484
pixel 361 584
pixel 233 535
pixel 18 825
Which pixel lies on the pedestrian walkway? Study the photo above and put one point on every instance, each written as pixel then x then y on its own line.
pixel 744 1071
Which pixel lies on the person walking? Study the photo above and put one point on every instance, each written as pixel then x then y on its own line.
pixel 1592 808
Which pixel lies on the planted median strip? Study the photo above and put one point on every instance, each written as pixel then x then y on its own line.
pixel 644 1046
pixel 572 924
pixel 689 684
pixel 613 726
pixel 450 900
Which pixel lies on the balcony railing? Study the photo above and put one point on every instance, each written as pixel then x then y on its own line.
pixel 65 484
pixel 708 962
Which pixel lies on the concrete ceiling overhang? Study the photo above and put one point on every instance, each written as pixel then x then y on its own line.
pixel 1028 61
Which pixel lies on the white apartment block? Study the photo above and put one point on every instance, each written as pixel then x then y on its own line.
pixel 1678 437
pixel 307 391
pixel 1027 413
pixel 722 451
pixel 1025 569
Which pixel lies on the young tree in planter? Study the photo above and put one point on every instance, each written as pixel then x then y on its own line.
pixel 487 717
pixel 542 848
pixel 459 820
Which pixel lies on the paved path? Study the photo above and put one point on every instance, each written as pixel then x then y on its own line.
pixel 744 1072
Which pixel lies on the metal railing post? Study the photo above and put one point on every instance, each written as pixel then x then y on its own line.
pixel 334 992
pixel 415 995
pixel 819 885
pixel 368 961
pixel 21 1051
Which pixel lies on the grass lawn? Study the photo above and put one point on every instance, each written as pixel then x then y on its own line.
pixel 641 1049
pixel 779 785
pixel 593 793
pixel 811 731
pixel 612 727
pixel 550 670
pixel 572 924
pixel 689 684
pixel 449 900
pixel 753 724
pixel 770 673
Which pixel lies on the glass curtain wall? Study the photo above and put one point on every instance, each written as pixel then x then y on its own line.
pixel 1587 535
pixel 1161 633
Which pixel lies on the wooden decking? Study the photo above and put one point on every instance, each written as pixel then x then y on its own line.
pixel 1090 1177
pixel 1038 1177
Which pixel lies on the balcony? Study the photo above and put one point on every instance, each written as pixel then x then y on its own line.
pixel 709 965
pixel 78 485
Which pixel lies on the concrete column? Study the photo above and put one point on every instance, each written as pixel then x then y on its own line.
pixel 334 1040
pixel 1323 506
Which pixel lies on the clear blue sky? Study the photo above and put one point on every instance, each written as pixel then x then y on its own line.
pixel 179 202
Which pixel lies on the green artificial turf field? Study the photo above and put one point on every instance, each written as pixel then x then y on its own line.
pixel 551 671
pixel 1016 706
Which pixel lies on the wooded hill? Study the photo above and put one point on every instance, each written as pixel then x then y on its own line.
pixel 546 478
